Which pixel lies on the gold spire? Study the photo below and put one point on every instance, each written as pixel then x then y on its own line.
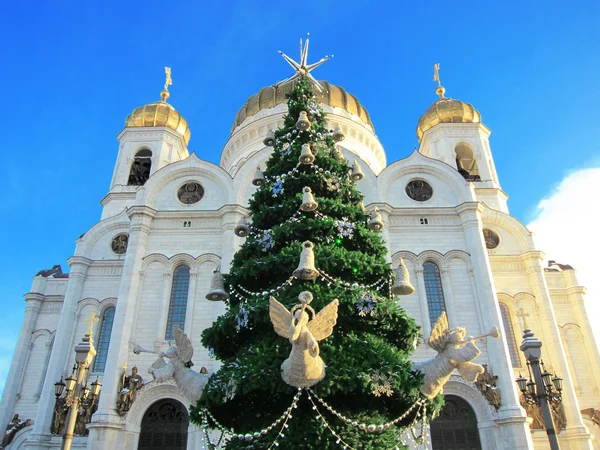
pixel 168 82
pixel 441 90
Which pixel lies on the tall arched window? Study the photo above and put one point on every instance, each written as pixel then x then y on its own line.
pixel 510 335
pixel 104 339
pixel 178 303
pixel 140 168
pixel 433 290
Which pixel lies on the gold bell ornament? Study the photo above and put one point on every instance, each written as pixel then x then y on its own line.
pixel 217 292
pixel 242 229
pixel 303 123
pixel 308 201
pixel 338 135
pixel 269 139
pixel 306 155
pixel 259 177
pixel 402 284
pixel 375 223
pixel 356 174
pixel 306 269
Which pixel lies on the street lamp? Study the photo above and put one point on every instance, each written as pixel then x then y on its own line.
pixel 540 388
pixel 76 389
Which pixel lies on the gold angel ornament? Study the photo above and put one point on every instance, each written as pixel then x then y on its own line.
pixel 454 352
pixel 304 367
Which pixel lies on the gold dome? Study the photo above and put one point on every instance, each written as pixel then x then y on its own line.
pixel 447 110
pixel 270 96
pixel 159 114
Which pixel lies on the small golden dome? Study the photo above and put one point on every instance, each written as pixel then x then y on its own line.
pixel 446 110
pixel 270 96
pixel 159 114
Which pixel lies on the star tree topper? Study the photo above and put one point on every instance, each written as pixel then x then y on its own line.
pixel 303 70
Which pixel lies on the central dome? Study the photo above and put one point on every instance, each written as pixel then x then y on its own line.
pixel 334 96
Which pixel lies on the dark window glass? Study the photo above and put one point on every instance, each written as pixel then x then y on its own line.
pixel 104 339
pixel 434 292
pixel 510 335
pixel 178 303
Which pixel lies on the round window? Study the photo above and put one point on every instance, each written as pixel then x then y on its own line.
pixel 190 193
pixel 491 238
pixel 419 190
pixel 119 243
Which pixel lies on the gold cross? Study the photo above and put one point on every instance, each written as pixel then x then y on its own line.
pixel 436 73
pixel 91 320
pixel 124 367
pixel 168 81
pixel 522 314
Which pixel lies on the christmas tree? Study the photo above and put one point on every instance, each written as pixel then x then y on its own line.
pixel 369 394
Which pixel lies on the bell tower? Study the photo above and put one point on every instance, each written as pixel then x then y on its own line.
pixel 451 130
pixel 154 136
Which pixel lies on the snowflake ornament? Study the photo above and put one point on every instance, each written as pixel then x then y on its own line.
pixel 365 306
pixel 382 384
pixel 314 109
pixel 332 184
pixel 267 240
pixel 345 227
pixel 277 188
pixel 242 317
pixel 286 149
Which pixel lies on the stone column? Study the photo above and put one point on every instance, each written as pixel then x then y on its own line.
pixel 191 301
pixel 576 298
pixel 513 429
pixel 105 426
pixel 535 273
pixel 164 310
pixel 60 351
pixel 17 367
pixel 448 298
pixel 422 293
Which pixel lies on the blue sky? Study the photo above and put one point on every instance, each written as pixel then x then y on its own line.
pixel 72 71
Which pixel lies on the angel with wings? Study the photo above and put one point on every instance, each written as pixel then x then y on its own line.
pixel 454 352
pixel 180 360
pixel 304 367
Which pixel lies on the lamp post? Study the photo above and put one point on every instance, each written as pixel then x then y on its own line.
pixel 542 388
pixel 76 390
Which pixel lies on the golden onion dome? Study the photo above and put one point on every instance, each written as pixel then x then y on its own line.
pixel 270 96
pixel 446 110
pixel 159 114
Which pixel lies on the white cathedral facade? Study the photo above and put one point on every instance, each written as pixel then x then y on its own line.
pixel 168 222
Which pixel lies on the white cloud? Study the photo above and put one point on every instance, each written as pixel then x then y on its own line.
pixel 566 228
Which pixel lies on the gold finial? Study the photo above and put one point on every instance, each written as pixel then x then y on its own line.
pixel 91 320
pixel 168 82
pixel 436 77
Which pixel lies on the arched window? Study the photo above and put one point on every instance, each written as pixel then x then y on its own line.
pixel 104 339
pixel 466 164
pixel 433 290
pixel 510 335
pixel 140 168
pixel 178 303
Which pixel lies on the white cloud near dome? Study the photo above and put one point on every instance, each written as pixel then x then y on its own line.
pixel 565 228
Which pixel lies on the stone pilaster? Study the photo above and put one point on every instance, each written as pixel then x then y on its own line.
pixel 422 293
pixel 105 426
pixel 60 351
pixel 576 430
pixel 15 375
pixel 512 417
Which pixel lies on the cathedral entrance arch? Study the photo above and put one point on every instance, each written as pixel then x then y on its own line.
pixel 164 426
pixel 456 427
